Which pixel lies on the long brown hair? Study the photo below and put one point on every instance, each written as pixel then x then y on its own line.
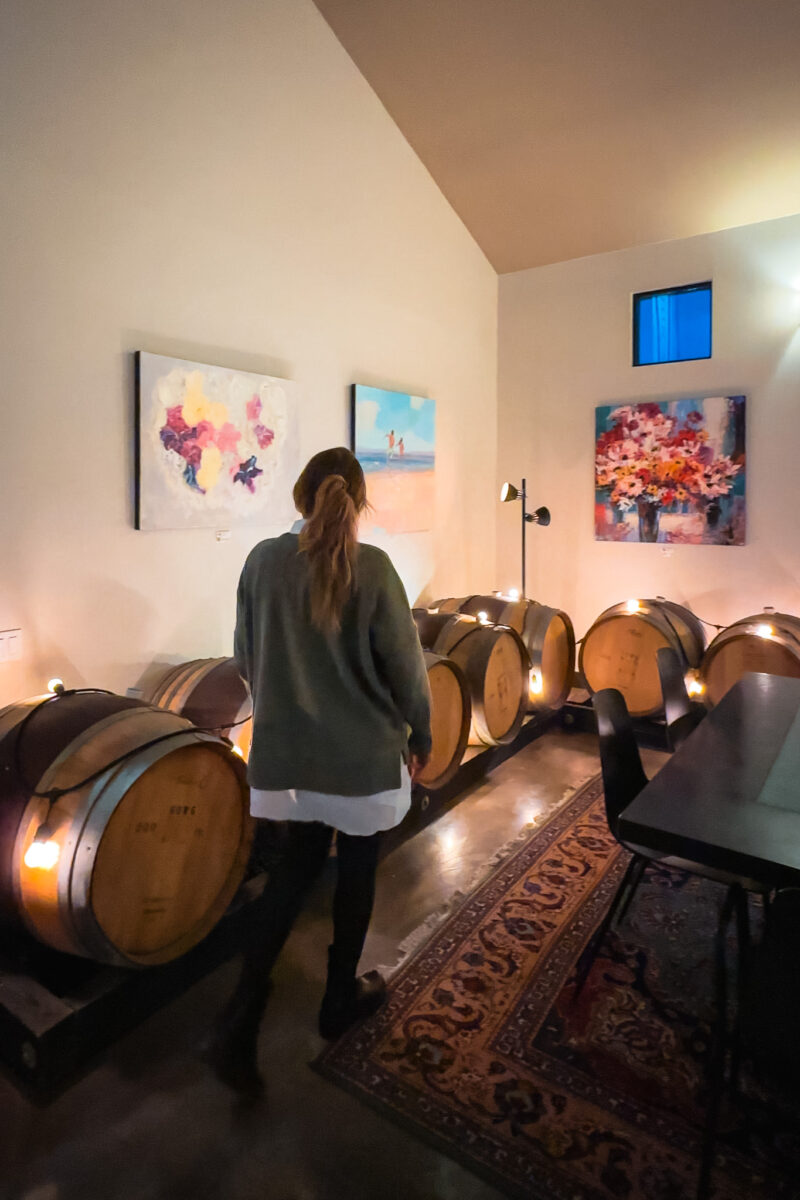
pixel 330 494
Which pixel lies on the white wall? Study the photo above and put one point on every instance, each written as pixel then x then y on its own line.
pixel 215 182
pixel 565 347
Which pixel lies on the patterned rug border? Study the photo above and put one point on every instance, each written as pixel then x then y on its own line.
pixel 421 944
pixel 416 941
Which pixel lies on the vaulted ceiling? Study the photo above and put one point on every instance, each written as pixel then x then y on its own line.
pixel 559 128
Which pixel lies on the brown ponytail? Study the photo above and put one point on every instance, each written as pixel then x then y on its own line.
pixel 330 494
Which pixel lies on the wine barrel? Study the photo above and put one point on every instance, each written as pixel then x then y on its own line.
pixel 548 636
pixel 768 642
pixel 495 664
pixel 450 720
pixel 621 647
pixel 153 833
pixel 210 693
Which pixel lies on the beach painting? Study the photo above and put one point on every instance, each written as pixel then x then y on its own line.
pixel 394 437
pixel 671 471
pixel 216 447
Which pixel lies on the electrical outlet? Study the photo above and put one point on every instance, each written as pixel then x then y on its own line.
pixel 10 645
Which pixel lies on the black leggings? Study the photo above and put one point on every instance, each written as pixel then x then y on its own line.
pixel 300 860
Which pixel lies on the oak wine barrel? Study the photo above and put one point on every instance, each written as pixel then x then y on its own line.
pixel 768 642
pixel 450 719
pixel 211 694
pixel 495 665
pixel 548 636
pixel 621 647
pixel 151 848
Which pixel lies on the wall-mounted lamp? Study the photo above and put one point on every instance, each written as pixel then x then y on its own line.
pixel 541 516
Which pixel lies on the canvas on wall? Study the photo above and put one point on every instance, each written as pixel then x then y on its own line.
pixel 671 471
pixel 394 440
pixel 216 447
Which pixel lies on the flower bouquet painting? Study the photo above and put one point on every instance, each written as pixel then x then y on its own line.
pixel 216 447
pixel 671 471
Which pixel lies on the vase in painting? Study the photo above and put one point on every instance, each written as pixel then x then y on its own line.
pixel 713 513
pixel 648 521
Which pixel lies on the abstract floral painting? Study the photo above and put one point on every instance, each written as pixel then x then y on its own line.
pixel 394 440
pixel 671 471
pixel 216 447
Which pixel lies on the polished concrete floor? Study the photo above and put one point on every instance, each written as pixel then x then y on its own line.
pixel 151 1123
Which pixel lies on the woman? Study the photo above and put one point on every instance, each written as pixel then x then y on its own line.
pixel 326 641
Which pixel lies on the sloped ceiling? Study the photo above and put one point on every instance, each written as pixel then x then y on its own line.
pixel 570 127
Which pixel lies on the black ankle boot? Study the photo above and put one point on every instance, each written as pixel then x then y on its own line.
pixel 348 999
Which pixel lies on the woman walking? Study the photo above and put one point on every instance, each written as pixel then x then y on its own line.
pixel 326 641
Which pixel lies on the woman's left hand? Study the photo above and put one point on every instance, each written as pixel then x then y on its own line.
pixel 417 764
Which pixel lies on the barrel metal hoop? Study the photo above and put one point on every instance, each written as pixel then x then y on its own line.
pixel 444 646
pixel 105 796
pixel 47 781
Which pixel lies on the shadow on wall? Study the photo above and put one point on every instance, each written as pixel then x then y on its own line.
pixel 81 642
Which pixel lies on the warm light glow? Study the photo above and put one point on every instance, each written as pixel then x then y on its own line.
pixel 483 618
pixel 693 685
pixel 238 750
pixel 55 685
pixel 42 855
pixel 633 606
pixel 514 593
pixel 450 842
pixel 764 631
pixel 535 686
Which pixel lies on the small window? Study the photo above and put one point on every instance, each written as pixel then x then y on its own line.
pixel 672 325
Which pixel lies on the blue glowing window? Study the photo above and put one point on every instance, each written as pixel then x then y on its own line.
pixel 672 325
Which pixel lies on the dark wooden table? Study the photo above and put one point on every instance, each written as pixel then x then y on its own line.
pixel 729 797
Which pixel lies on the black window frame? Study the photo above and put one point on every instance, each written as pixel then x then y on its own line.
pixel 705 285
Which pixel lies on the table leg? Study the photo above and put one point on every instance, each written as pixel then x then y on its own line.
pixel 719 1042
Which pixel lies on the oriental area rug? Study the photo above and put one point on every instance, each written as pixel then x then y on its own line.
pixel 483 1050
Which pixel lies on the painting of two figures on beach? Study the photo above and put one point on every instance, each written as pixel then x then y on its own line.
pixel 671 471
pixel 394 440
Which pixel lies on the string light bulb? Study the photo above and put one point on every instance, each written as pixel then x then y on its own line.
pixel 535 686
pixel 483 617
pixel 43 852
pixel 693 685
pixel 513 593
pixel 238 750
pixel 633 606
pixel 56 687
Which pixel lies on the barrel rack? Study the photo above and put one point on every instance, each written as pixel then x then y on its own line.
pixel 58 1013
pixel 577 716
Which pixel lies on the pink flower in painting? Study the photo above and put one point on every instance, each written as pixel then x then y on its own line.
pixel 227 438
pixel 204 433
pixel 253 409
pixel 265 436
pixel 192 452
pixel 175 420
